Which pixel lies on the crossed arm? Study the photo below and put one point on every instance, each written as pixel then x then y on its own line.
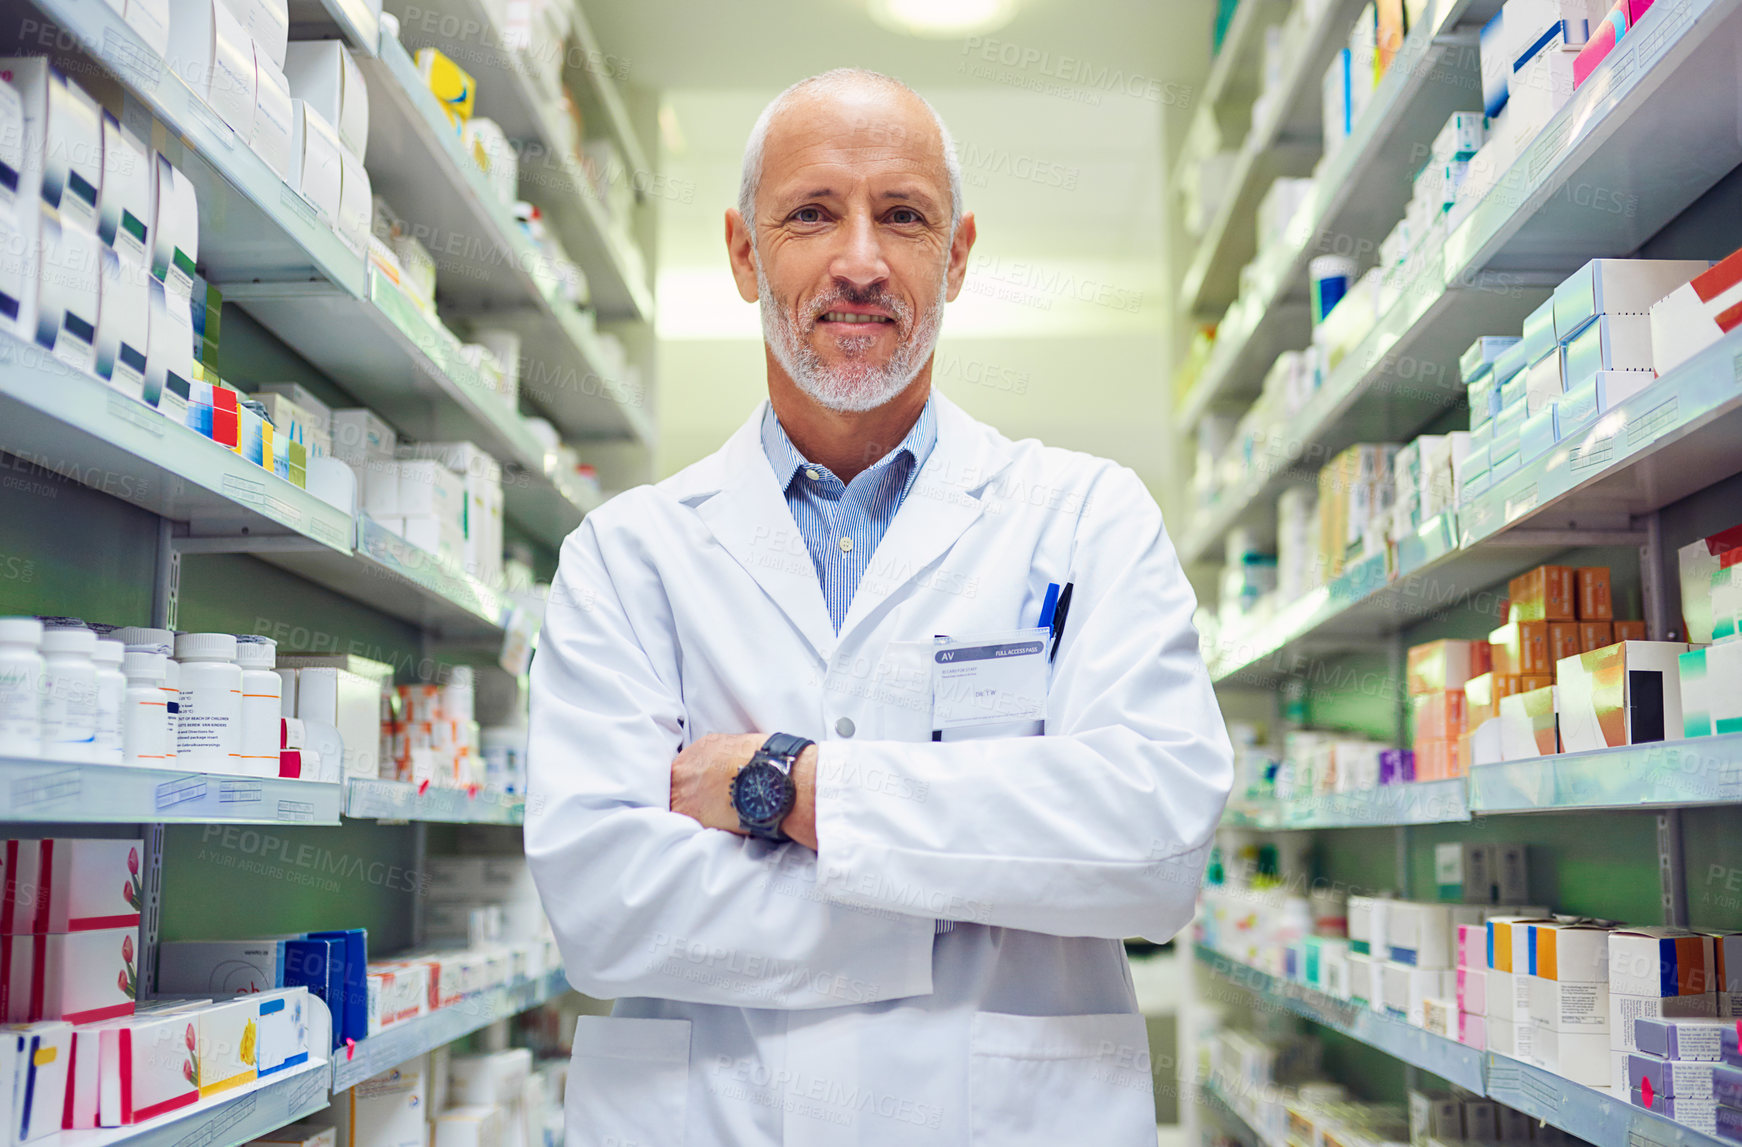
pixel 701 784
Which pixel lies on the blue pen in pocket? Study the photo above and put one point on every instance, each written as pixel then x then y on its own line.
pixel 1047 605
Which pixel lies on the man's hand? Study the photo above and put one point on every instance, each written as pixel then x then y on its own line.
pixel 701 784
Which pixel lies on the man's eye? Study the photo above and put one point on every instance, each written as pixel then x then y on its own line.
pixel 808 215
pixel 904 215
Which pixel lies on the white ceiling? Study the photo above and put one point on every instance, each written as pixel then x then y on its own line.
pixel 767 44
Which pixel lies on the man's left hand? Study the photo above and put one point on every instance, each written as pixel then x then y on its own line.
pixel 701 783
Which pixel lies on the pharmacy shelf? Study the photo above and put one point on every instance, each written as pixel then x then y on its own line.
pixel 1285 142
pixel 56 792
pixel 521 92
pixel 252 225
pixel 1417 802
pixel 357 21
pixel 396 360
pixel 402 800
pixel 1592 1115
pixel 1238 64
pixel 488 265
pixel 1232 1121
pixel 1451 1061
pixel 1655 126
pixel 61 423
pixel 1385 389
pixel 1675 437
pixel 385 572
pixel 1364 185
pixel 227 1119
pixel 412 1038
pixel 597 67
pixel 1670 774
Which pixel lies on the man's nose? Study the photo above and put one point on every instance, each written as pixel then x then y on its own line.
pixel 859 261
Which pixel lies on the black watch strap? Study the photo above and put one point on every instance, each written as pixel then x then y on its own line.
pixel 781 751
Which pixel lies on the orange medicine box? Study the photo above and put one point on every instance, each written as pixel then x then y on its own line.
pixel 1521 647
pixel 1544 594
pixel 1438 717
pixel 1480 703
pixel 1595 602
pixel 1595 635
pixel 1628 631
pixel 1505 685
pixel 1563 640
pixel 1530 682
pixel 1441 665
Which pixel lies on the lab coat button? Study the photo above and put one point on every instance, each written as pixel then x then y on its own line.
pixel 844 726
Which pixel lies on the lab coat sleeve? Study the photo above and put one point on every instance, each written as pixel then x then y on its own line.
pixel 644 901
pixel 1099 828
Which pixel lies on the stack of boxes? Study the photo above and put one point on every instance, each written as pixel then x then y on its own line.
pixel 1658 974
pixel 1354 505
pixel 1711 583
pixel 1583 351
pixel 1425 475
pixel 1697 314
pixel 329 134
pixel 232 54
pixel 69 929
pixel 430 734
pixel 341 692
pixel 1471 985
pixel 1437 675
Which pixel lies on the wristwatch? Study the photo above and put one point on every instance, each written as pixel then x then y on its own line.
pixel 763 792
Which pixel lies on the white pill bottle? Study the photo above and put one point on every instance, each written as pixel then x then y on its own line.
pixel 141 639
pixel 262 702
pixel 22 677
pixel 111 697
pixel 69 701
pixel 209 726
pixel 145 712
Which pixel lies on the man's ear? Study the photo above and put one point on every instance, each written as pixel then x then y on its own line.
pixel 738 249
pixel 959 248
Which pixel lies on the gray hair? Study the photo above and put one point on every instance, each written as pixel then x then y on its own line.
pixel 836 80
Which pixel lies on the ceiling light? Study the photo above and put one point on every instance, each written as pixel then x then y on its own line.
pixel 942 19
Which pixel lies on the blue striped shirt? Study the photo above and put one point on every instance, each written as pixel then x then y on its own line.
pixel 841 523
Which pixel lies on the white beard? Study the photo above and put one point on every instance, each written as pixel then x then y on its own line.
pixel 856 385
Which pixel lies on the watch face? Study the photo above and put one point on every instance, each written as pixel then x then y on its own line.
pixel 761 793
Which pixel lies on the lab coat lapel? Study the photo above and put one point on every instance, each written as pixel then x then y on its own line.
pixel 945 499
pixel 751 520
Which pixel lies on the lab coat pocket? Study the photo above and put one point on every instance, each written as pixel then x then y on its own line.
pixel 628 1083
pixel 1038 1081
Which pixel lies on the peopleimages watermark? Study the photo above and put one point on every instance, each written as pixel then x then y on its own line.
pixel 1078 78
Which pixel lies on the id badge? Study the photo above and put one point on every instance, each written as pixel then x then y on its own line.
pixel 989 686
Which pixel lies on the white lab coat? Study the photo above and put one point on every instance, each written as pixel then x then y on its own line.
pixel 771 996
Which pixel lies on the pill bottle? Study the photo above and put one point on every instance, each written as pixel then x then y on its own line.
pixel 262 700
pixel 144 711
pixel 111 692
pixel 140 639
pixel 208 733
pixel 69 700
pixel 21 684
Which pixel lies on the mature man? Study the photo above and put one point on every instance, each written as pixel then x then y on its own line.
pixel 782 807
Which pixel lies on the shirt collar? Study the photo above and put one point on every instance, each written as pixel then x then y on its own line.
pixel 784 457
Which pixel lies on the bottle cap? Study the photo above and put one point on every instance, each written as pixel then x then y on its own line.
pixel 69 641
pixel 205 647
pixel 139 666
pixel 108 652
pixel 255 652
pixel 21 631
pixel 143 639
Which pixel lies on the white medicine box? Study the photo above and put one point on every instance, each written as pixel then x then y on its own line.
pixel 175 229
pixel 215 55
pixel 150 19
pixel 123 323
pixel 267 23
pixel 67 291
pixel 323 74
pixel 63 140
pixel 274 114
pixel 315 164
pixel 390 1109
pixel 124 211
pixel 169 357
pixel 34 1062
pixel 11 149
pixel 356 205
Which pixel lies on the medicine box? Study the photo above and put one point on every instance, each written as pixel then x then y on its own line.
pixel 397 992
pixel 1437 666
pixel 62 142
pixel 1408 988
pixel 1611 342
pixel 71 884
pixel 1697 1114
pixel 215 56
pixel 453 88
pixel 274 114
pixel 472 1126
pixel 220 967
pixel 228 1038
pixel 282 1041
pixel 349 703
pixel 1435 1116
pixel 324 75
pixel 1472 995
pixel 319 414
pixel 361 437
pixel 1690 1079
pixel 1686 1039
pixel 124 210
pixel 267 23
pixel 1628 693
pixel 175 239
pixel 301 1135
pixel 388 1110
pixel 147 1064
pixel 1707 677
pixel 80 977
pixel 351 1007
pixel 1696 315
pixel 1583 1057
pixel 68 291
pixel 1661 961
pixel 316 164
pixel 1528 725
pixel 1626 1010
pixel 1473 1030
pixel 1727 948
pixel 355 202
pixel 34 1065
pixel 1609 286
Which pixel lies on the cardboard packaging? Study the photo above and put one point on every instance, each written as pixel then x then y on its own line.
pixel 1583 1057
pixel 123 322
pixel 215 56
pixel 1408 989
pixel 351 1009
pixel 267 23
pixel 80 977
pixel 175 237
pixel 316 163
pixel 453 88
pixel 169 356
pixel 1438 716
pixel 1698 1114
pixel 1678 1079
pixel 1661 961
pixel 1435 1117
pixel 1706 676
pixel 1546 593
pixel 349 703
pixel 1520 648
pixel 1464 872
pixel 390 1109
pixel 397 992
pixel 70 884
pixel 1608 286
pixel 1473 1030
pixel 148 1064
pixel 124 209
pixel 324 75
pixel 62 142
pixel 228 1044
pixel 1528 725
pixel 274 114
pixel 1692 317
pixel 1625 1012
pixel 283 1033
pixel 475 1126
pixel 1472 995
pixel 34 1063
pixel 1442 666
pixel 67 290
pixel 355 202
pixel 1686 1039
pixel 1594 635
pixel 360 437
pixel 1610 342
pixel 221 967
pixel 1626 694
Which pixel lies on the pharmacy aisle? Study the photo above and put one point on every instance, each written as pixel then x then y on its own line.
pixel 304 376
pixel 1465 426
